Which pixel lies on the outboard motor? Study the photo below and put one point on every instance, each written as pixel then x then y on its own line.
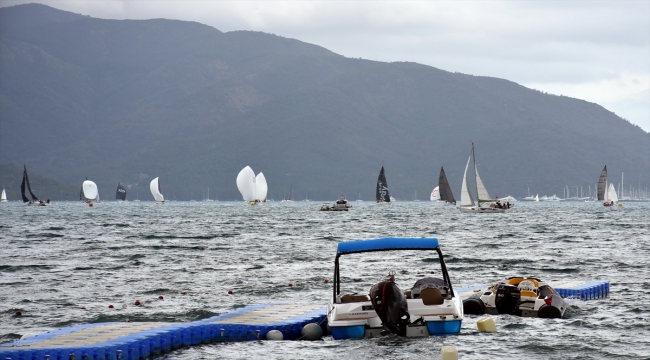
pixel 507 299
pixel 391 306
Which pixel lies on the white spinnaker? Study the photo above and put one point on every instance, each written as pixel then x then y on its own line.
pixel 261 187
pixel 465 196
pixel 611 193
pixel 154 186
pixel 435 194
pixel 90 190
pixel 246 184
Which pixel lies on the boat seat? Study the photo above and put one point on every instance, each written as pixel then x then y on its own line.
pixel 351 298
pixel 528 293
pixel 431 296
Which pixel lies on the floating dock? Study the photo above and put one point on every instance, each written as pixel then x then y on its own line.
pixel 132 341
pixel 583 290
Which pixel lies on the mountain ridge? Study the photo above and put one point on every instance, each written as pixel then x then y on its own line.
pixel 131 100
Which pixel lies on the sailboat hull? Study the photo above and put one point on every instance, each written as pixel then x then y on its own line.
pixel 38 203
pixel 488 210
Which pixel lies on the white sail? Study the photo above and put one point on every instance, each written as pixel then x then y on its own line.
pixel 482 194
pixel 537 197
pixel 610 195
pixel 465 196
pixel 90 190
pixel 246 184
pixel 435 194
pixel 154 186
pixel 3 197
pixel 260 187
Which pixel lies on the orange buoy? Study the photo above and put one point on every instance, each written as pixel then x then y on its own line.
pixel 111 306
pixel 326 281
pixel 90 204
pixel 137 303
pixel 229 292
pixel 290 284
pixel 161 297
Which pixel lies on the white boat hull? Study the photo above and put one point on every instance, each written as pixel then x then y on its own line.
pixel 486 210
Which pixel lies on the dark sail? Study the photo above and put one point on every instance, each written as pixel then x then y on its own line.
pixel 602 184
pixel 382 188
pixel 120 194
pixel 29 187
pixel 22 186
pixel 444 188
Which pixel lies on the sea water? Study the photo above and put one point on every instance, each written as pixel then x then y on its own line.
pixel 65 264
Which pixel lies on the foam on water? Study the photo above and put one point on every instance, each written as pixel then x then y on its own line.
pixel 64 264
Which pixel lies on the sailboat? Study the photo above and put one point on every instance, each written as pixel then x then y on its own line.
pixel 253 188
pixel 445 190
pixel 89 192
pixel 606 192
pixel 536 197
pixel 3 197
pixel 154 186
pixel 359 199
pixel 467 202
pixel 415 196
pixel 120 193
pixel 289 198
pixel 35 200
pixel 382 195
pixel 208 196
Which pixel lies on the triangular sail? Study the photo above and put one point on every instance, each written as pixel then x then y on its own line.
pixel 383 194
pixel 120 193
pixel 611 194
pixel 3 197
pixel 261 188
pixel 29 187
pixel 602 184
pixel 444 188
pixel 481 192
pixel 22 186
pixel 465 196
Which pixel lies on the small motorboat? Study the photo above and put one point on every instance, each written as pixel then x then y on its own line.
pixel 521 296
pixel 430 307
pixel 340 205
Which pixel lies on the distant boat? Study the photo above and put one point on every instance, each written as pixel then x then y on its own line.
pixel 156 191
pixel 89 192
pixel 35 201
pixel 289 198
pixel 529 197
pixel 207 198
pixel 3 196
pixel 537 197
pixel 445 193
pixel 382 195
pixel 359 199
pixel 120 193
pixel 415 196
pixel 137 197
pixel 606 192
pixel 435 194
pixel 467 201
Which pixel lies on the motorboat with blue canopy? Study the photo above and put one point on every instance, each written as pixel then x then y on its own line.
pixel 429 307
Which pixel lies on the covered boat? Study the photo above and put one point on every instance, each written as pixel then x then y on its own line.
pixel 156 191
pixel 120 193
pixel 382 195
pixel 429 307
pixel 521 296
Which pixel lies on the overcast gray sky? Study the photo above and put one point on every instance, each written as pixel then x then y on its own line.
pixel 598 51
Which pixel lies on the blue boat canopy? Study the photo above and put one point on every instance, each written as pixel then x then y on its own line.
pixel 387 244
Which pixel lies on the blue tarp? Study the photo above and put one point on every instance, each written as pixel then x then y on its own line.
pixel 387 244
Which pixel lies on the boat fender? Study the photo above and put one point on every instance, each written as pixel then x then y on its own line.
pixel 274 335
pixel 449 352
pixel 486 324
pixel 549 312
pixel 473 306
pixel 311 331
